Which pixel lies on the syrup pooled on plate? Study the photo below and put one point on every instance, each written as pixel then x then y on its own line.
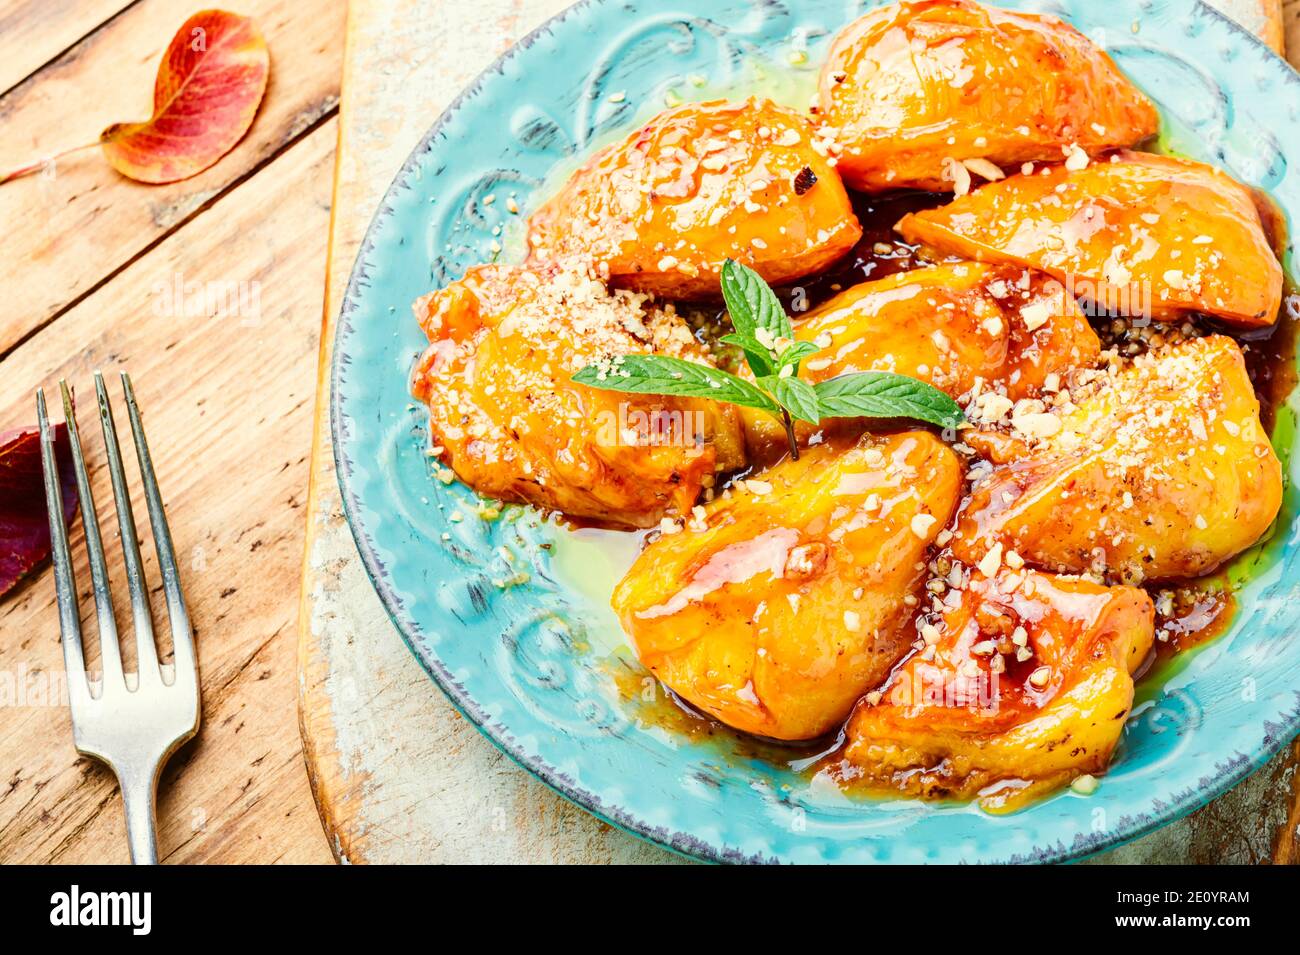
pixel 964 612
pixel 1188 613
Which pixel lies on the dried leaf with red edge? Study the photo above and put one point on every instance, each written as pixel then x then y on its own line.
pixel 210 84
pixel 24 524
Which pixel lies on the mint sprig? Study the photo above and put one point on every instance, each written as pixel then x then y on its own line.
pixel 881 394
pixel 753 305
pixel 661 375
pixel 765 335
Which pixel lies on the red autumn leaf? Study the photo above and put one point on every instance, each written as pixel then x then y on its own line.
pixel 24 524
pixel 210 84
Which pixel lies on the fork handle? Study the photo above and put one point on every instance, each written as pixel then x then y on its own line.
pixel 139 791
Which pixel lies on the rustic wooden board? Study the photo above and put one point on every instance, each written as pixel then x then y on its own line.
pixel 1262 17
pixel 228 403
pixel 398 774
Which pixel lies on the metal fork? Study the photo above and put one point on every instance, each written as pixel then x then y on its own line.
pixel 133 725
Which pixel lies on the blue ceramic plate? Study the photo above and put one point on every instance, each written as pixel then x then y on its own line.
pixel 509 616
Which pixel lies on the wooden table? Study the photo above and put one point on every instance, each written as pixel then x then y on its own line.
pixel 228 403
pixel 399 775
pixel 230 411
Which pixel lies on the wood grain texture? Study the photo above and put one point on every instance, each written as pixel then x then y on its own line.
pixel 433 790
pixel 33 32
pixel 79 223
pixel 227 388
pixel 1261 17
pixel 398 775
pixel 223 397
pixel 1291 30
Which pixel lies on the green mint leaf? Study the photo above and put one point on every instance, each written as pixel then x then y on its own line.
pixel 661 375
pixel 752 303
pixel 794 353
pixel 740 341
pixel 795 395
pixel 757 357
pixel 881 394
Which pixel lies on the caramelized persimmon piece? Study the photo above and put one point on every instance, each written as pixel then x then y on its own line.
pixel 514 426
pixel 1137 233
pixel 788 598
pixel 950 325
pixel 1158 470
pixel 914 89
pixel 661 211
pixel 1024 684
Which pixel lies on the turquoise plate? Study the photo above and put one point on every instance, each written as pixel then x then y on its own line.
pixel 509 615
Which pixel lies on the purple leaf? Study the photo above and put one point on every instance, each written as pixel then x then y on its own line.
pixel 24 525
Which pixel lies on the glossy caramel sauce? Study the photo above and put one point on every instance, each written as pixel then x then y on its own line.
pixel 1189 613
pixel 1201 610
pixel 881 251
pixel 652 703
pixel 1270 352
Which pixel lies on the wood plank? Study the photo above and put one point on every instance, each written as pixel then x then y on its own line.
pixel 1291 30
pixel 83 222
pixel 33 32
pixel 1261 17
pixel 438 791
pixel 227 400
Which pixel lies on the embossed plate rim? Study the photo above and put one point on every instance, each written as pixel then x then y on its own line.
pixel 501 736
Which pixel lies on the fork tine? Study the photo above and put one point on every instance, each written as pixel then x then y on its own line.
pixel 186 667
pixel 146 652
pixel 109 650
pixel 65 584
